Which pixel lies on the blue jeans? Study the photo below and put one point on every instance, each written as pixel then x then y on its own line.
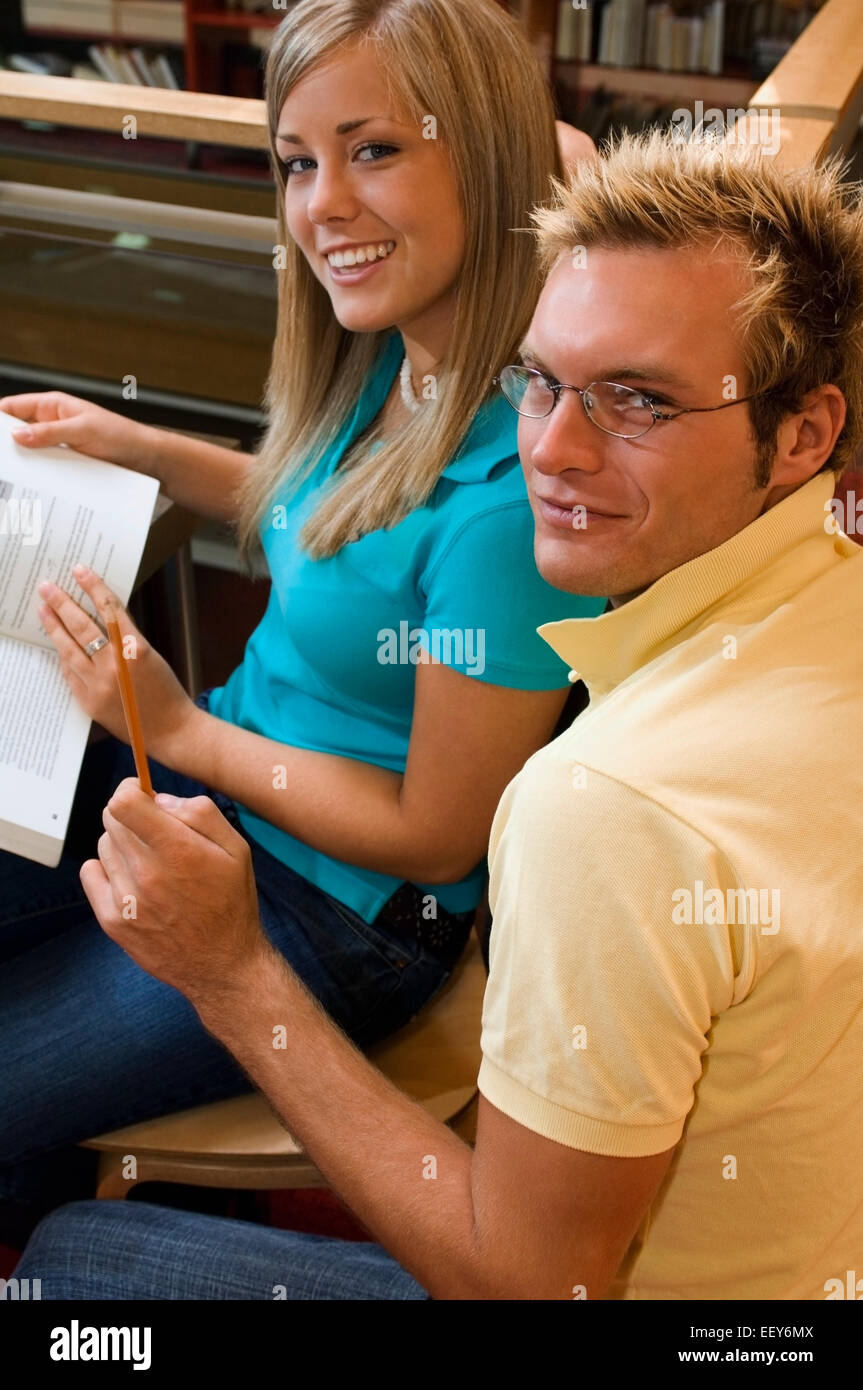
pixel 89 1042
pixel 131 1250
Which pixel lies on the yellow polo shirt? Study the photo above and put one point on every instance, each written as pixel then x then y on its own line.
pixel 677 893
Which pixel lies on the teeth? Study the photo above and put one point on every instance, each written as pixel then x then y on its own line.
pixel 361 255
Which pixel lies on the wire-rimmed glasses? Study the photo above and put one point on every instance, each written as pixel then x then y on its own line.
pixel 624 411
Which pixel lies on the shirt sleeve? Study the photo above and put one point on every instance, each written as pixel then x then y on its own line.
pixel 485 599
pixel 601 995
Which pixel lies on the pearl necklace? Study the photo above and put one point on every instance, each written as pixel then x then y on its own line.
pixel 407 387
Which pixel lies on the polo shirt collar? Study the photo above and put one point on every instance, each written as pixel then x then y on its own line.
pixel 491 438
pixel 605 650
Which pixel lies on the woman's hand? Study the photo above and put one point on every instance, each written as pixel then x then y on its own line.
pixel 166 710
pixel 174 886
pixel 52 417
pixel 573 145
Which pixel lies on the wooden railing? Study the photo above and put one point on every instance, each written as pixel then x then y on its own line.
pixel 158 111
pixel 818 86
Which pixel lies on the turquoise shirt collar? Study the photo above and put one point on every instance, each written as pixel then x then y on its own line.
pixel 491 438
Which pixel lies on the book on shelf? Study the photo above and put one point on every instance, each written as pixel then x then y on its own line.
pixel 103 62
pixel 261 36
pixel 93 16
pixel 164 73
pixel 664 32
pixel 132 66
pixel 145 73
pixel 57 508
pixel 574 33
pixel 151 19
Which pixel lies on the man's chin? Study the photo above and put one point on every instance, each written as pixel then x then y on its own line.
pixel 574 572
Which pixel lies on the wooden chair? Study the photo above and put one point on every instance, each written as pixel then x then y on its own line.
pixel 240 1143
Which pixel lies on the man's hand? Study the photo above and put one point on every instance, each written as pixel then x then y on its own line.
pixel 174 886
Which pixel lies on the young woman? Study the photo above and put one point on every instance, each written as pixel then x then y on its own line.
pixel 396 682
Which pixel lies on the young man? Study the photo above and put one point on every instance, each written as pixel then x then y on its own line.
pixel 670 1085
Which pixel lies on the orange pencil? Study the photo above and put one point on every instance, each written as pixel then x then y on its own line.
pixel 130 704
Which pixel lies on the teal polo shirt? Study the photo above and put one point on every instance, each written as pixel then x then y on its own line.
pixel 332 664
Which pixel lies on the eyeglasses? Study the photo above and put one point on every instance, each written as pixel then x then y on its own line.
pixel 620 410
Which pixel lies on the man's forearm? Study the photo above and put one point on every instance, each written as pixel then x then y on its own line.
pixel 405 1175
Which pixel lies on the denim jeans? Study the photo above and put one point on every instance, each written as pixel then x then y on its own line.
pixel 89 1042
pixel 131 1250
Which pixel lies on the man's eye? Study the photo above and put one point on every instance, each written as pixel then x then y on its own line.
pixel 290 165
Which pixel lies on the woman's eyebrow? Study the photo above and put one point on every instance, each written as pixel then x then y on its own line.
pixel 344 129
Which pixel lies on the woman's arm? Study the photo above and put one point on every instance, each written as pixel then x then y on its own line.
pixel 573 144
pixel 431 824
pixel 203 477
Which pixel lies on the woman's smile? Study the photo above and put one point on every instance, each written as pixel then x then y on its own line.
pixel 352 264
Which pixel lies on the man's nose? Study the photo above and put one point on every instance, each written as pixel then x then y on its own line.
pixel 331 195
pixel 566 438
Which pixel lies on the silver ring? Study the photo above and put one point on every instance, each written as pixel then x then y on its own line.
pixel 96 645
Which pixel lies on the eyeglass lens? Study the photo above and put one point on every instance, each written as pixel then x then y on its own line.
pixel 618 409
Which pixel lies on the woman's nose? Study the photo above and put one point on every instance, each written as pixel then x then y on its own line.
pixel 331 196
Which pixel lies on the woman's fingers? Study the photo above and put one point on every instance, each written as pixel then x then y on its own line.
pixel 103 597
pixel 47 417
pixel 34 405
pixel 79 626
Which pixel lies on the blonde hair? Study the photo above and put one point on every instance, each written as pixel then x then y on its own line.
pixel 799 233
pixel 467 63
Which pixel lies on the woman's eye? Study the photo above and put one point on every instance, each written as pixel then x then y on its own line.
pixel 290 165
pixel 376 151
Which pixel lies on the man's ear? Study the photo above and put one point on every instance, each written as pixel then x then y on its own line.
pixel 573 145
